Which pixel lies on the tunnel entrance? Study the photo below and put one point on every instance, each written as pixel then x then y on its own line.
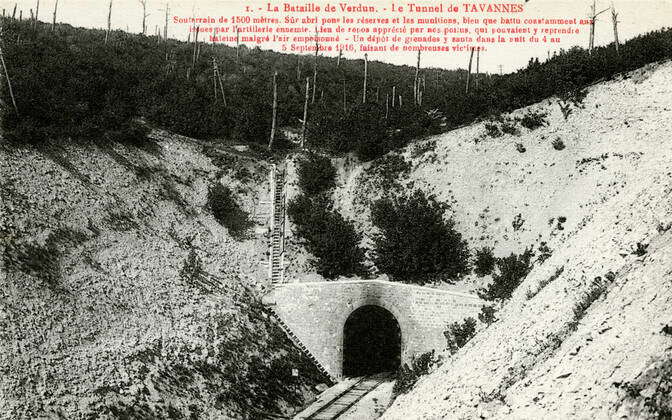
pixel 371 342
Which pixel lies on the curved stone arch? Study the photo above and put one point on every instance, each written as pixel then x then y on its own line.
pixel 406 325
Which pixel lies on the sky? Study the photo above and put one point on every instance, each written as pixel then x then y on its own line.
pixel 635 17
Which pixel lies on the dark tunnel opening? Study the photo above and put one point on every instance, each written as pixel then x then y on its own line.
pixel 371 342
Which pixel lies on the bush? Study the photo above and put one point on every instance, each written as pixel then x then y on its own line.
pixel 492 130
pixel 485 262
pixel 533 120
pixel 227 212
pixel 558 144
pixel 595 289
pixel 511 271
pixel 409 376
pixel 487 315
pixel 331 239
pixel 388 168
pixel 316 174
pixel 415 243
pixel 459 334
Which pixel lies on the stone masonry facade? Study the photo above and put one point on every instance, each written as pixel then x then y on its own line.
pixel 316 313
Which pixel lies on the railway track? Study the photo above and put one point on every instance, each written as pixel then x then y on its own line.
pixel 344 401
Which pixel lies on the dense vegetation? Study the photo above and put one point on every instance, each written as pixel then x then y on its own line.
pixel 510 273
pixel 316 174
pixel 329 237
pixel 228 212
pixel 70 84
pixel 408 376
pixel 415 243
pixel 458 334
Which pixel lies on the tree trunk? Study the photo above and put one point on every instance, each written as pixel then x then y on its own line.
pixel 305 114
pixel 478 67
pixel 387 105
pixel 144 16
pixel 53 22
pixel 416 83
pixel 165 28
pixel 471 58
pixel 275 109
pixel 592 28
pixel 338 61
pixel 614 21
pixel 366 67
pixel 9 83
pixel 14 12
pixel 194 55
pixel 345 102
pixel 317 47
pixel 237 46
pixel 37 11
pixel 394 95
pixel 109 22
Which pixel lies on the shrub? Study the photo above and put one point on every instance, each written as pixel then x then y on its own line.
pixel 415 243
pixel 421 148
pixel 192 268
pixel 511 271
pixel 558 144
pixel 227 212
pixel 409 376
pixel 533 120
pixel 595 289
pixel 487 315
pixel 459 334
pixel 316 174
pixel 532 293
pixel 544 252
pixel 330 238
pixel 520 148
pixel 492 130
pixel 485 262
pixel 509 128
pixel 388 168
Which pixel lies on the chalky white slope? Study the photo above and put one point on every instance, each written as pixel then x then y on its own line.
pixel 613 184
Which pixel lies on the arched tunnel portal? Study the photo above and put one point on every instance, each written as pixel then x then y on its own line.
pixel 371 342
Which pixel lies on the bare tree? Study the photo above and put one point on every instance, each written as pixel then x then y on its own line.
pixel 305 114
pixel 37 12
pixel 53 22
pixel 275 109
pixel 194 56
pixel 14 12
pixel 9 83
pixel 109 22
pixel 237 46
pixel 614 22
pixel 471 58
pixel 144 15
pixel 338 61
pixel 477 76
pixel 416 85
pixel 165 28
pixel 593 19
pixel 217 78
pixel 366 67
pixel 317 48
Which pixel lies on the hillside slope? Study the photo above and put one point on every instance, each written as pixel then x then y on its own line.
pixel 588 333
pixel 121 295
